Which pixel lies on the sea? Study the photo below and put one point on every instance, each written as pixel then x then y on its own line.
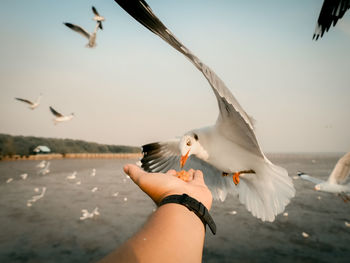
pixel 48 216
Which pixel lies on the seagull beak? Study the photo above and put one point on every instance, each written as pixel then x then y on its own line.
pixel 184 159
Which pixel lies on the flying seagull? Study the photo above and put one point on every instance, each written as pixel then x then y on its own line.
pixel 90 36
pixel 32 105
pixel 98 18
pixel 336 180
pixel 331 12
pixel 60 117
pixel 227 148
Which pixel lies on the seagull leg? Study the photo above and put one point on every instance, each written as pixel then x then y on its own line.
pixel 236 175
pixel 235 178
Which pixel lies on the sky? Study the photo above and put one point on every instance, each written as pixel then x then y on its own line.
pixel 134 88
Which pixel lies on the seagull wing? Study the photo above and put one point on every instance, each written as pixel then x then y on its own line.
pixel 310 178
pixel 26 101
pixel 100 25
pixel 233 121
pixel 331 12
pixel 78 29
pixel 341 170
pixel 163 156
pixel 160 156
pixel 56 113
pixel 94 10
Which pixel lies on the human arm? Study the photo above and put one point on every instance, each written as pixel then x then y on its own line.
pixel 173 233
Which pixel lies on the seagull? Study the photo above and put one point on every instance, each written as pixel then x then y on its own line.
pixel 335 183
pixel 36 197
pixel 46 169
pixel 24 176
pixel 331 12
pixel 72 176
pixel 32 105
pixel 87 215
pixel 229 147
pixel 90 36
pixel 60 117
pixel 98 18
pixel 41 164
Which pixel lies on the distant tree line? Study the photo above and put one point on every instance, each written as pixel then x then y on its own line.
pixel 24 145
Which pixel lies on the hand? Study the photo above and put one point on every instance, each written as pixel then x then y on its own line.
pixel 160 185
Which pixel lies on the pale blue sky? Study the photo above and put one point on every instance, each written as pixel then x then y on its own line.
pixel 133 88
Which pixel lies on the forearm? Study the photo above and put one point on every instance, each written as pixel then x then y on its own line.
pixel 172 234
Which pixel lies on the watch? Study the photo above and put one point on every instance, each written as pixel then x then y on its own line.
pixel 193 205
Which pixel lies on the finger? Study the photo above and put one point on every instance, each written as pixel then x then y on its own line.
pixel 198 177
pixel 171 172
pixel 134 172
pixel 190 175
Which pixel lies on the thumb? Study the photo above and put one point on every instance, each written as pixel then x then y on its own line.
pixel 133 171
pixel 198 177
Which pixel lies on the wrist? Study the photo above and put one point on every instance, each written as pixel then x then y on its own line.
pixel 194 206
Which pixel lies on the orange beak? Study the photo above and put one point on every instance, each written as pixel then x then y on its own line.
pixel 184 159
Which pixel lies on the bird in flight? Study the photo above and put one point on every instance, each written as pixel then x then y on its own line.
pixel 60 117
pixel 336 182
pixel 32 105
pixel 227 152
pixel 90 36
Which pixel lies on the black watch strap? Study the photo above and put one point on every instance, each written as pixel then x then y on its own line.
pixel 193 205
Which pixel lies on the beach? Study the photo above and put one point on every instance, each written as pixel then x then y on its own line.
pixel 50 230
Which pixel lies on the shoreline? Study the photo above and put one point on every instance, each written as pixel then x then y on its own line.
pixel 72 156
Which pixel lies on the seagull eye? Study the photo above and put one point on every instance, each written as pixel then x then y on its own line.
pixel 188 143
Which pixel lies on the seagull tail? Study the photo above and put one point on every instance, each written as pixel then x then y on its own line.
pixel 266 193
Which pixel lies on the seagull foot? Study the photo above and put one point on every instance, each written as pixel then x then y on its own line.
pixel 236 178
pixel 183 175
pixel 236 175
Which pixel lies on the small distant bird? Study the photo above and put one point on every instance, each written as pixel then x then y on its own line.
pixel 72 176
pixel 36 197
pixel 331 12
pixel 229 147
pixel 32 105
pixel 9 180
pixel 41 164
pixel 98 18
pixel 336 180
pixel 90 36
pixel 60 117
pixel 87 215
pixel 24 176
pixel 46 169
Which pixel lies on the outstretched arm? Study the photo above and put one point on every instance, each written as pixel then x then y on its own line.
pixel 172 233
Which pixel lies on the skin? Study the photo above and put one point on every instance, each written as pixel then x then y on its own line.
pixel 172 233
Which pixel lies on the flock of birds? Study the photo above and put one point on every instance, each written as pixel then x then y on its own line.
pixel 228 152
pixel 59 117
pixel 43 170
